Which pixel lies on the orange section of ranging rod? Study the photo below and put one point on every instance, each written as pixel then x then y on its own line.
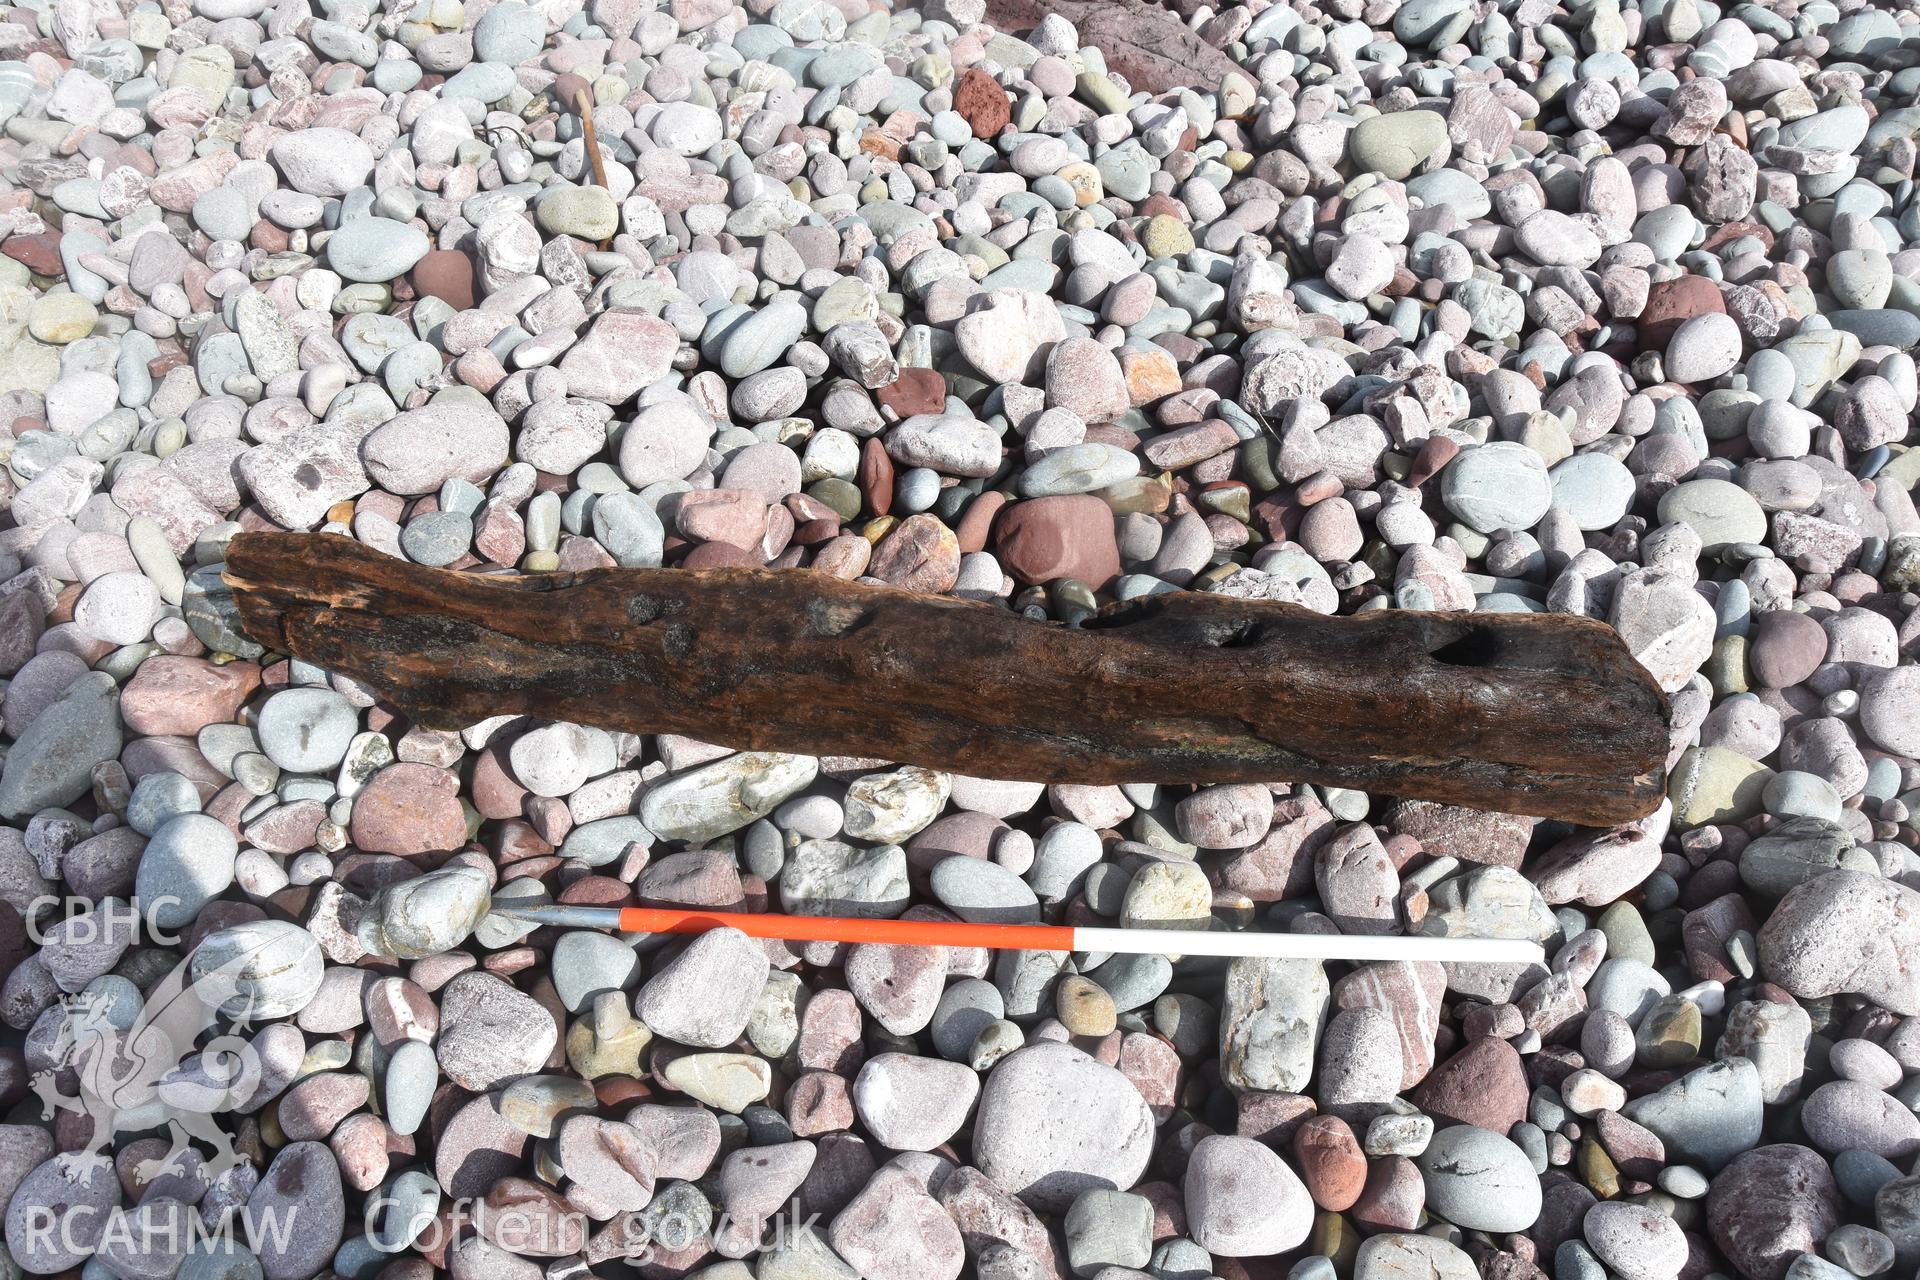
pixel 921 933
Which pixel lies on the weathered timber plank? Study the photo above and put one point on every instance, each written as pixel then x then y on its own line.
pixel 1148 43
pixel 1534 714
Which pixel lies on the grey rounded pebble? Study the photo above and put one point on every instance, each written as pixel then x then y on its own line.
pixel 408 1086
pixel 188 862
pixel 983 892
pixel 1594 488
pixel 306 730
pixel 262 968
pixel 585 964
pixel 1497 486
pixel 1052 1122
pixel 375 250
pixel 1479 1180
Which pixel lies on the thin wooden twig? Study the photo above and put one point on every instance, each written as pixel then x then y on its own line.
pixel 583 102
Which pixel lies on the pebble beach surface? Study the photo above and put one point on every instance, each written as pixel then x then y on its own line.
pixel 1593 308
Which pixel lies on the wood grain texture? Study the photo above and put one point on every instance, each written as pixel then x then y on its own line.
pixel 1531 714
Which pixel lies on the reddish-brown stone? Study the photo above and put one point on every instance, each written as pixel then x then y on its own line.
pixel 1149 44
pixel 1735 230
pixel 1635 1150
pixel 1069 536
pixel 1393 1198
pixel 1408 991
pixel 499 534
pixel 1670 303
pixel 981 102
pixel 1272 1118
pixel 446 274
pixel 1159 203
pixel 170 694
pixel 496 793
pixel 693 878
pixel 819 1102
pixel 1450 831
pixel 286 829
pixel 737 517
pixel 409 809
pixel 1772 1204
pixel 39 253
pixel 597 891
pixel 976 522
pixel 844 556
pixel 1278 516
pixel 269 238
pixel 364 1147
pixel 1331 1162
pixel 915 391
pixel 1435 453
pixel 920 554
pixel 1704 931
pixel 876 477
pixel 23 621
pixel 720 555
pixel 1786 648
pixel 1484 1084
pixel 812 533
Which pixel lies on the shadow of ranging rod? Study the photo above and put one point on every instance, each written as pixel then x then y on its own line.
pixel 1032 937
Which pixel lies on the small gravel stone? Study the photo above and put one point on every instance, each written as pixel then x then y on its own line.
pixel 1635 1241
pixel 1479 1180
pixel 187 863
pixel 306 730
pixel 1497 486
pixel 490 1032
pixel 910 1103
pixel 260 968
pixel 1053 1122
pixel 724 796
pixel 705 995
pixel 1243 1201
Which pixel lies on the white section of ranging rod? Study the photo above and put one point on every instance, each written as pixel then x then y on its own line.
pixel 1310 946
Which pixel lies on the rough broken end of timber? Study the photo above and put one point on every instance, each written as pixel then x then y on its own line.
pixel 1523 713
pixel 1146 42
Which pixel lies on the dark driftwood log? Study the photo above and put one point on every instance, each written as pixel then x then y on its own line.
pixel 1143 41
pixel 1527 714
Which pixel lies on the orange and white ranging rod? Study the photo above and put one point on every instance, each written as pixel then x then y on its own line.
pixel 1031 937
